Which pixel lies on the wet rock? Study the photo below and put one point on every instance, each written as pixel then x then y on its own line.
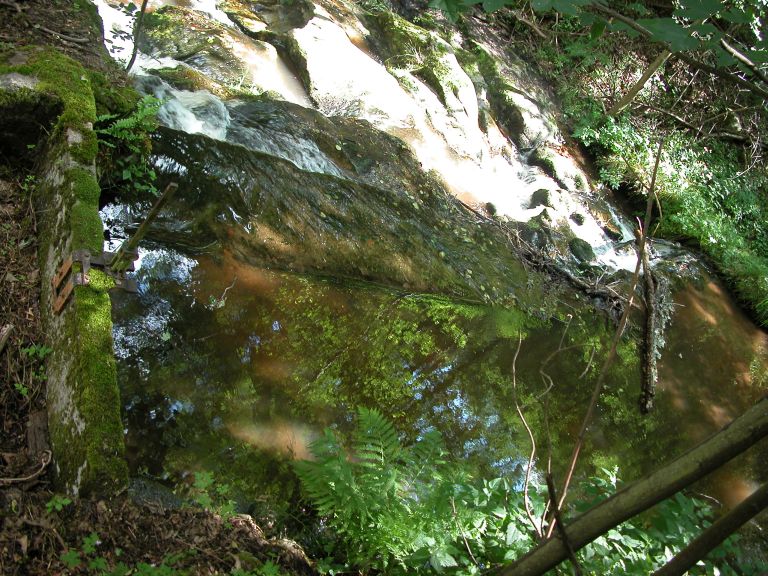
pixel 275 15
pixel 581 250
pixel 612 231
pixel 542 197
pixel 577 218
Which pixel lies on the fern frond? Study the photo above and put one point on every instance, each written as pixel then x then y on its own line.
pixel 376 443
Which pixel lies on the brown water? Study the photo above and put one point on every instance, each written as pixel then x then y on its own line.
pixel 234 369
pixel 714 368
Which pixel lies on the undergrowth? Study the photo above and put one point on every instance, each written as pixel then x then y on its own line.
pixel 712 188
pixel 126 146
pixel 395 509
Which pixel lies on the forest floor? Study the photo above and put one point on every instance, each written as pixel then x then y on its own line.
pixel 41 531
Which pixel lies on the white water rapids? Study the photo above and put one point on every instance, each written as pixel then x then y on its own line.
pixel 347 78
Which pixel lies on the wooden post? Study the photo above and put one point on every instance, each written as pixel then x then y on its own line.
pixel 735 438
pixel 118 263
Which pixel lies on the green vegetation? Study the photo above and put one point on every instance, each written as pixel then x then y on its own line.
pixel 57 503
pixel 128 137
pixel 412 510
pixel 96 559
pixel 704 96
pixel 211 495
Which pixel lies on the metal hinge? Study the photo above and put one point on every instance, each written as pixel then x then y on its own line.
pixel 66 278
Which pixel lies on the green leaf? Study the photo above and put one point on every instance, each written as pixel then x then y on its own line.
pixel 451 8
pixel 638 8
pixel 513 534
pixel 618 26
pixel 493 5
pixel 71 559
pixel 441 559
pixel 597 29
pixel 666 30
pixel 542 5
pixel 90 542
pixel 698 9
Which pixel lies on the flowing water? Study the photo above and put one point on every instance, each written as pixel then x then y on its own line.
pixel 232 358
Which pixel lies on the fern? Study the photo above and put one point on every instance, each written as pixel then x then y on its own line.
pixel 133 129
pixel 128 139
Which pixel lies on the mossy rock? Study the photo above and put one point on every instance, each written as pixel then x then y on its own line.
pixel 66 80
pixel 581 250
pixel 25 117
pixel 542 197
pixel 405 45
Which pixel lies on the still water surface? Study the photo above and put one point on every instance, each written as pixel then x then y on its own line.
pixel 233 369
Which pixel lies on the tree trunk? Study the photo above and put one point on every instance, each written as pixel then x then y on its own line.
pixel 715 534
pixel 743 432
pixel 136 34
pixel 637 86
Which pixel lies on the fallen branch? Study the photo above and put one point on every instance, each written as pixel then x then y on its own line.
pixel 45 459
pixel 715 534
pixel 66 37
pixel 650 373
pixel 744 432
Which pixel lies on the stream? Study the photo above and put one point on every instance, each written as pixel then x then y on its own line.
pixel 316 259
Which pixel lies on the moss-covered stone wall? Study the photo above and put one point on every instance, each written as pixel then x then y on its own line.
pixel 82 395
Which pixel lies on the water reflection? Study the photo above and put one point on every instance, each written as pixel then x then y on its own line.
pixel 235 369
pixel 715 366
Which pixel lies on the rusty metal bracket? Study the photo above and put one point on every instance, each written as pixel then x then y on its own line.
pixel 64 281
pixel 66 278
pixel 103 261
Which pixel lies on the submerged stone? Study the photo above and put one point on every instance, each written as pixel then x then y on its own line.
pixel 581 250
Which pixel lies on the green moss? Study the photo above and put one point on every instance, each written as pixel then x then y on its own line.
pixel 83 184
pixel 100 397
pixel 111 98
pixel 68 81
pixel 410 46
pixel 87 229
pixel 85 151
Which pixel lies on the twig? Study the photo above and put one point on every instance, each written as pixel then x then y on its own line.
pixel 227 289
pixel 617 336
pixel 672 115
pixel 589 363
pixel 463 534
pixel 47 526
pixel 5 333
pixel 561 526
pixel 526 499
pixel 67 37
pixel 744 60
pixel 19 8
pixel 45 459
pixel 518 14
